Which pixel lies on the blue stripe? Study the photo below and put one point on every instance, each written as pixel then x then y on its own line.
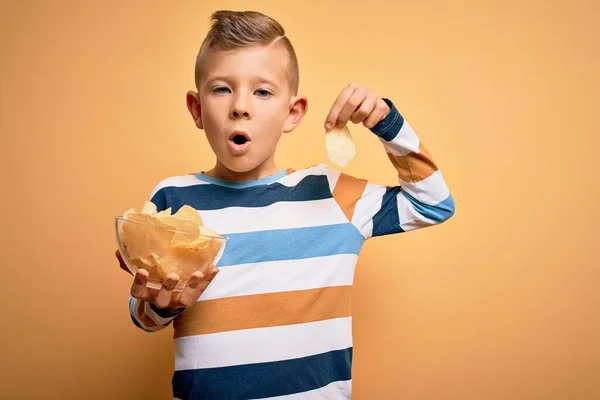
pixel 262 380
pixel 388 128
pixel 438 213
pixel 386 221
pixel 291 244
pixel 216 197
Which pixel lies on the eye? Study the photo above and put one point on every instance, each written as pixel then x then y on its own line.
pixel 221 90
pixel 263 93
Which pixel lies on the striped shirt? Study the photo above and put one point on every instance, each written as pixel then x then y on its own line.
pixel 276 322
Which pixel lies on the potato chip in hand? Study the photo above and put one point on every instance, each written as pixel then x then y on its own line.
pixel 340 146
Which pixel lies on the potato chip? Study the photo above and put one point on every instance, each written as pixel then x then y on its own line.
pixel 148 266
pixel 190 214
pixel 164 213
pixel 185 260
pixel 340 146
pixel 208 232
pixel 148 208
pixel 181 225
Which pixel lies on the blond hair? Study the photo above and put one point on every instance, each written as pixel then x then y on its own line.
pixel 232 30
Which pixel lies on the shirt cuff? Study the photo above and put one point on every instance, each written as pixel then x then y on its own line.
pixel 388 128
pixel 165 313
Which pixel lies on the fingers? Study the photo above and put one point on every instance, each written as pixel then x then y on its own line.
pixel 138 287
pixel 195 287
pixel 192 290
pixel 365 109
pixel 164 295
pixel 352 105
pixel 209 278
pixel 338 105
pixel 379 113
pixel 357 104
pixel 206 281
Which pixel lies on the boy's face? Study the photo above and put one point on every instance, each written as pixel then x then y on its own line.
pixel 244 104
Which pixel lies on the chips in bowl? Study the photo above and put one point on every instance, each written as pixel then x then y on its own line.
pixel 161 243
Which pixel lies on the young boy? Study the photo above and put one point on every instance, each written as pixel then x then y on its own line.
pixel 276 321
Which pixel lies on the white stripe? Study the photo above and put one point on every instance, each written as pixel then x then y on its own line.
pixel 332 176
pixel 404 143
pixel 431 190
pixel 321 169
pixel 178 181
pixel 280 215
pixel 366 207
pixel 334 391
pixel 282 276
pixel 410 219
pixel 249 346
pixel 294 178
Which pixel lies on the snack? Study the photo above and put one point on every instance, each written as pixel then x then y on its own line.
pixel 161 242
pixel 340 146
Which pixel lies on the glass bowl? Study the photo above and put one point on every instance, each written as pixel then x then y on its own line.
pixel 160 249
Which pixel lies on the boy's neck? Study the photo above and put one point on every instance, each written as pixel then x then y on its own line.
pixel 221 172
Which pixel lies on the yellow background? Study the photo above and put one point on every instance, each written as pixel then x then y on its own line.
pixel 501 302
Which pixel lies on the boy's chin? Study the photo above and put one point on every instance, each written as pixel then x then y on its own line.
pixel 241 166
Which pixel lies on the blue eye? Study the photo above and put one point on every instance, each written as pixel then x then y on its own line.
pixel 221 90
pixel 263 93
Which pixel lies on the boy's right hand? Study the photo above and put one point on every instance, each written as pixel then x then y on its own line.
pixel 165 297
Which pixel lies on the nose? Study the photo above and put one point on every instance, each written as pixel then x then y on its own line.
pixel 240 107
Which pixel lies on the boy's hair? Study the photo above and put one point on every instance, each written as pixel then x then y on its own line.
pixel 238 29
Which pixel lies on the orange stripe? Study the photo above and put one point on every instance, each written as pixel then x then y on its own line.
pixel 264 310
pixel 289 171
pixel 414 167
pixel 348 190
pixel 146 320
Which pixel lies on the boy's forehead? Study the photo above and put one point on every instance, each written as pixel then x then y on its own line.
pixel 253 62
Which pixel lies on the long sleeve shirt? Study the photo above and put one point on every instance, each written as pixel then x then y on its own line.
pixel 277 320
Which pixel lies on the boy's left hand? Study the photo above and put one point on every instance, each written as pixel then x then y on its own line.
pixel 358 104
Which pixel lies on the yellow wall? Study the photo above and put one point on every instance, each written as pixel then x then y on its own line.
pixel 501 302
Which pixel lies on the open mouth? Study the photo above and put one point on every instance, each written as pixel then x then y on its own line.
pixel 239 142
pixel 239 139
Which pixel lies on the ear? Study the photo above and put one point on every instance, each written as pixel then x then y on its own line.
pixel 193 105
pixel 298 108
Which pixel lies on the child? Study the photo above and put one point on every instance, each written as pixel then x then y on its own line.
pixel 276 321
